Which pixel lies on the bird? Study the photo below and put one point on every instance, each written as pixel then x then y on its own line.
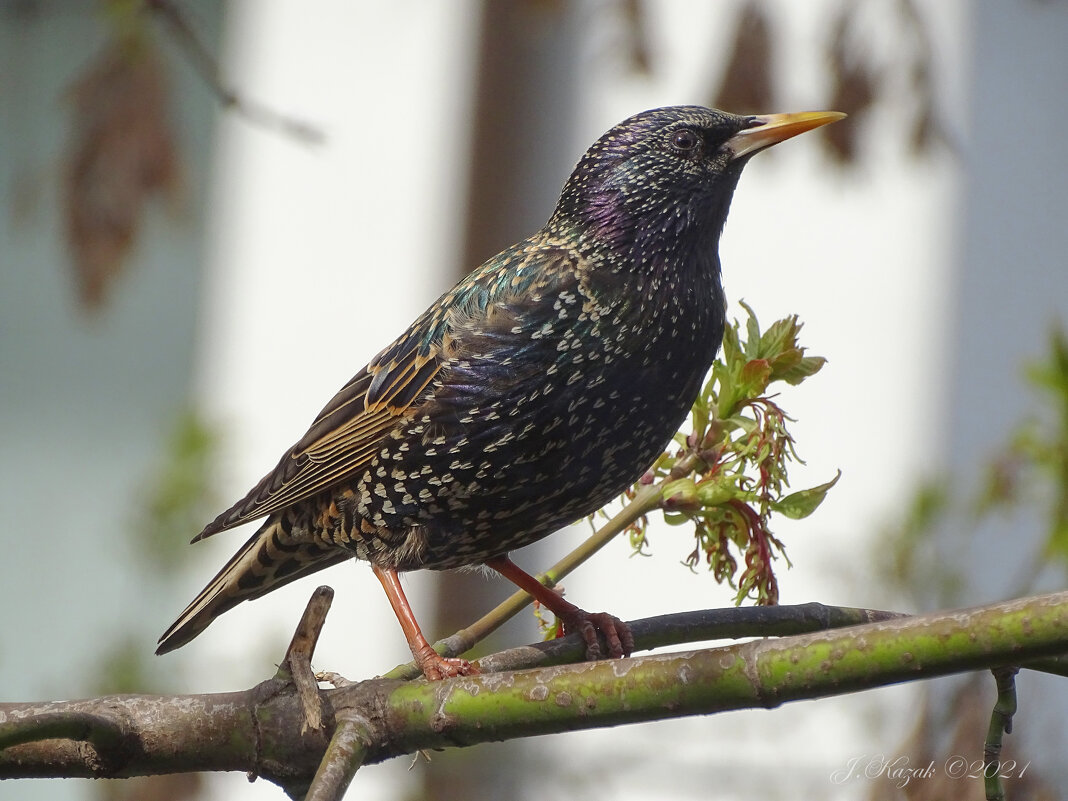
pixel 526 397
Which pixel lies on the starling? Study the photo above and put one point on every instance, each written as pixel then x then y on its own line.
pixel 530 394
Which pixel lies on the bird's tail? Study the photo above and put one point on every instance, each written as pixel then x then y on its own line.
pixel 270 559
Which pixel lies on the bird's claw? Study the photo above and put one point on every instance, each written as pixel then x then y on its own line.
pixel 617 635
pixel 437 667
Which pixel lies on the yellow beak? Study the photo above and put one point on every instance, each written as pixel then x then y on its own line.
pixel 770 129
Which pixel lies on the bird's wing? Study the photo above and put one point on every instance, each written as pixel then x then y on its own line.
pixel 347 432
pixel 490 313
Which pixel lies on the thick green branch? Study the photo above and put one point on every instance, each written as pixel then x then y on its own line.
pixel 259 731
pixel 764 673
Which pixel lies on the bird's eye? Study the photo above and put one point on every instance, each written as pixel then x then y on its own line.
pixel 684 141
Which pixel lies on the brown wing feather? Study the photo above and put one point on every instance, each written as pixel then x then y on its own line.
pixel 344 436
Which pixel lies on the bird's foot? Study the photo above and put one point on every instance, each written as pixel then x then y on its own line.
pixel 616 633
pixel 437 667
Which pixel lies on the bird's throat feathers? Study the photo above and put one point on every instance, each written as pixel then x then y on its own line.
pixel 625 232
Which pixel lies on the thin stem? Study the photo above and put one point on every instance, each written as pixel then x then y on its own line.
pixel 1000 724
pixel 206 66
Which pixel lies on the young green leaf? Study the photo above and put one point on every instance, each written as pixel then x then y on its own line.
pixel 801 504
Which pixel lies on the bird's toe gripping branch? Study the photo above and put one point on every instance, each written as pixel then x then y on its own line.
pixel 616 633
pixel 437 667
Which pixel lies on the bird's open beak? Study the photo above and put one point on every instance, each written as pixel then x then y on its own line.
pixel 770 129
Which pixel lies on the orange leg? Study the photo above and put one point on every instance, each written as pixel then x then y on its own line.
pixel 616 634
pixel 434 666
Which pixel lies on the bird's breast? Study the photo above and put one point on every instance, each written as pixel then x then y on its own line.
pixel 528 432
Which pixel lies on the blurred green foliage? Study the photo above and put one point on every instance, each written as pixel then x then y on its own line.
pixel 179 497
pixel 1033 467
pixel 1030 471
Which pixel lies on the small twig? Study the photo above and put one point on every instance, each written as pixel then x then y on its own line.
pixel 205 65
pixel 344 756
pixel 334 679
pixel 297 662
pixel 102 732
pixel 1000 724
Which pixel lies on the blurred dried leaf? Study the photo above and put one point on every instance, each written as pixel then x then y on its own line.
pixel 122 153
pixel 637 42
pixel 927 130
pixel 854 85
pixel 747 80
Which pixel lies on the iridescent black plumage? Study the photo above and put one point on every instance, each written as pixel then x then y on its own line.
pixel 537 389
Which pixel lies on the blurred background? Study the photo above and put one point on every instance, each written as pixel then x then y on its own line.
pixel 212 214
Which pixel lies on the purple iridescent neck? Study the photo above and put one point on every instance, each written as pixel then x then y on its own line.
pixel 632 220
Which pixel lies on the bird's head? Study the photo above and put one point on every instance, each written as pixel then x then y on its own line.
pixel 669 173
